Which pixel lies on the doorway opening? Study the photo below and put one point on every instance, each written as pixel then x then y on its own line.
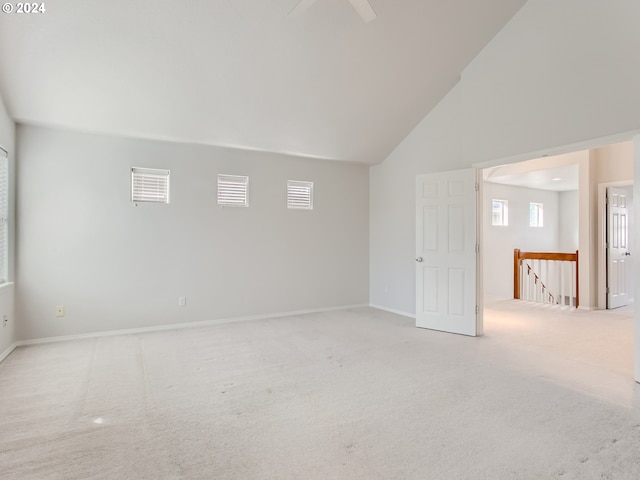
pixel 557 204
pixel 442 224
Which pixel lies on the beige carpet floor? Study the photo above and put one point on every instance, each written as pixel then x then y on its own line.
pixel 358 394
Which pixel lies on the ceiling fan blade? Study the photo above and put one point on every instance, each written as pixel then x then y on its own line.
pixel 301 7
pixel 364 9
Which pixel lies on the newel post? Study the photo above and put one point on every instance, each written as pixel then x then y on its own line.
pixel 516 274
pixel 577 282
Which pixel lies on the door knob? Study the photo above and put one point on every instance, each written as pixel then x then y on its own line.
pixel 627 254
pixel 419 259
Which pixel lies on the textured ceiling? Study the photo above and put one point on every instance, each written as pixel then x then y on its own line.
pixel 242 73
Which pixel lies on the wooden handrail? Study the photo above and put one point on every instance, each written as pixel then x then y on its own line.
pixel 562 257
pixel 519 256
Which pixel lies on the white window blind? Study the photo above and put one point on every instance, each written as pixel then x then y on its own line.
pixel 149 185
pixel 4 217
pixel 300 195
pixel 233 190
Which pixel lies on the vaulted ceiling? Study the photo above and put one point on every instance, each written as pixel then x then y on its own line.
pixel 243 73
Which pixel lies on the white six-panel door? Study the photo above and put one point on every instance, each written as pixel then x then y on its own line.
pixel 617 247
pixel 446 253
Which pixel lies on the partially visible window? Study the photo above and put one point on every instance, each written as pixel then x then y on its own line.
pixel 535 215
pixel 299 195
pixel 233 190
pixel 4 217
pixel 149 185
pixel 499 212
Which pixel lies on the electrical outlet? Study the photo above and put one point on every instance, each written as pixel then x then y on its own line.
pixel 182 301
pixel 5 320
pixel 60 311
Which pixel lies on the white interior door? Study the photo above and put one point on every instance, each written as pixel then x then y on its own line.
pixel 617 247
pixel 447 294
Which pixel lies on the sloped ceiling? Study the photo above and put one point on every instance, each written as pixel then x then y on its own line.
pixel 242 73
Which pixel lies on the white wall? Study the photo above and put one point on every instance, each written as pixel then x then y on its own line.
pixel 544 82
pixel 559 72
pixel 433 146
pixel 613 163
pixel 7 141
pixel 568 211
pixel 500 241
pixel 84 245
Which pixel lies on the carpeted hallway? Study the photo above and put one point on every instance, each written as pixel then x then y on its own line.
pixel 358 394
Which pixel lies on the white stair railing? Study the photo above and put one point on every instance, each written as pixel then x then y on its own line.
pixel 546 277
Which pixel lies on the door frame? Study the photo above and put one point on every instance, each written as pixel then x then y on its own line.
pixel 601 245
pixel 631 135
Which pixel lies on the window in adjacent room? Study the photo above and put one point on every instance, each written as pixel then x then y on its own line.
pixel 499 212
pixel 535 215
pixel 4 217
pixel 233 190
pixel 149 185
pixel 299 195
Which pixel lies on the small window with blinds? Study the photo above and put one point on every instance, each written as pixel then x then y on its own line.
pixel 4 217
pixel 233 191
pixel 299 195
pixel 149 185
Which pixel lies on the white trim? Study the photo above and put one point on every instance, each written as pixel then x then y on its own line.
pixel 8 351
pixel 179 326
pixel 393 310
pixel 5 285
pixel 636 266
pixel 479 246
pixel 561 150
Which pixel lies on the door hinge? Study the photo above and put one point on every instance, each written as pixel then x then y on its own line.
pixel 477 310
pixel 607 290
pixel 477 187
pixel 477 248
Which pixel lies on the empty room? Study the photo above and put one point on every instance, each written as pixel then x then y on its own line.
pixel 254 240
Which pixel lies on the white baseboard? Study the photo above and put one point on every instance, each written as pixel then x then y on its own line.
pixel 393 310
pixel 8 351
pixel 177 326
